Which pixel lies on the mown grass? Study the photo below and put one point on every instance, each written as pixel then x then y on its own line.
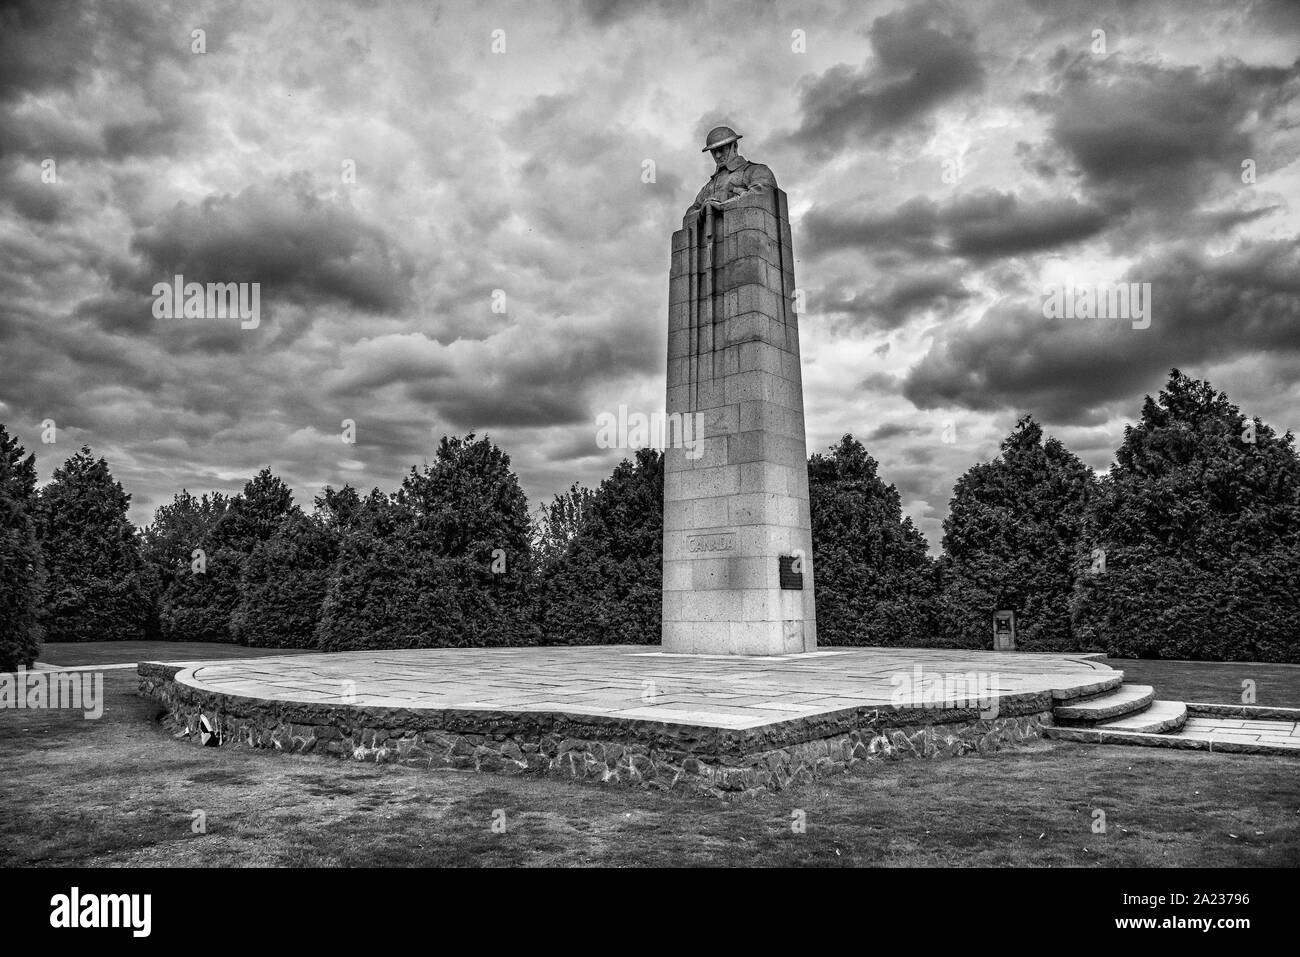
pixel 122 791
pixel 1275 686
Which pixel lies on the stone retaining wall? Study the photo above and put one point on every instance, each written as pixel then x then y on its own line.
pixel 638 753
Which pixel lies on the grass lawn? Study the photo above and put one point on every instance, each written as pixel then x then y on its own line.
pixel 1212 682
pixel 121 791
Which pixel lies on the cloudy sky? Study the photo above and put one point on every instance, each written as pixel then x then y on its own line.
pixel 945 163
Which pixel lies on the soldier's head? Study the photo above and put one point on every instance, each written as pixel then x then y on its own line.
pixel 721 142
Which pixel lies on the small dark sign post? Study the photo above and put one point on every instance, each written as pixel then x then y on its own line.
pixel 1004 630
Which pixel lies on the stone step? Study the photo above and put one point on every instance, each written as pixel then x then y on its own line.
pixel 1198 734
pixel 1160 718
pixel 1123 701
pixel 1075 693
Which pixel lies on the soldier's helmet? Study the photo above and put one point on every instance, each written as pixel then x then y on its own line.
pixel 719 136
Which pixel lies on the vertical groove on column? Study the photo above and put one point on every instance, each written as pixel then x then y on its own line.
pixel 693 317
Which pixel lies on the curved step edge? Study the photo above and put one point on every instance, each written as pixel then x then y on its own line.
pixel 1125 700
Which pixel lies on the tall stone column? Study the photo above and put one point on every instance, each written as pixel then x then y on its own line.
pixel 738 575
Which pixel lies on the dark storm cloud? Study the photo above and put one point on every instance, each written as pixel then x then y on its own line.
pixel 497 404
pixel 296 244
pixel 999 224
pixel 1149 135
pixel 22 188
pixel 919 454
pixel 532 374
pixel 1205 309
pixel 985 225
pixel 891 303
pixel 912 225
pixel 879 382
pixel 606 12
pixel 51 48
pixel 157 134
pixel 567 141
pixel 916 292
pixel 43 43
pixel 1216 221
pixel 892 430
pixel 924 56
pixel 1275 16
pixel 122 313
pixel 52 365
pixel 577 444
pixel 545 386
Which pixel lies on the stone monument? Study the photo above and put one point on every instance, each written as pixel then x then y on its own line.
pixel 737 572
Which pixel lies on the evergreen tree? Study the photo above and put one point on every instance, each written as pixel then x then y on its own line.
pixel 21 572
pixel 340 508
pixel 1010 539
pixel 203 602
pixel 169 542
pixel 445 562
pixel 284 583
pixel 1192 547
pixel 285 579
pixel 605 587
pixel 872 574
pixel 95 587
pixel 556 524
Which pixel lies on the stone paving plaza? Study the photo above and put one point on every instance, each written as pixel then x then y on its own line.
pixel 636 682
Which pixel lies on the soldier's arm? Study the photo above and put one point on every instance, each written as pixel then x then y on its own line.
pixel 758 179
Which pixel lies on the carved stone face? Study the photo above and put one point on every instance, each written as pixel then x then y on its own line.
pixel 723 153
